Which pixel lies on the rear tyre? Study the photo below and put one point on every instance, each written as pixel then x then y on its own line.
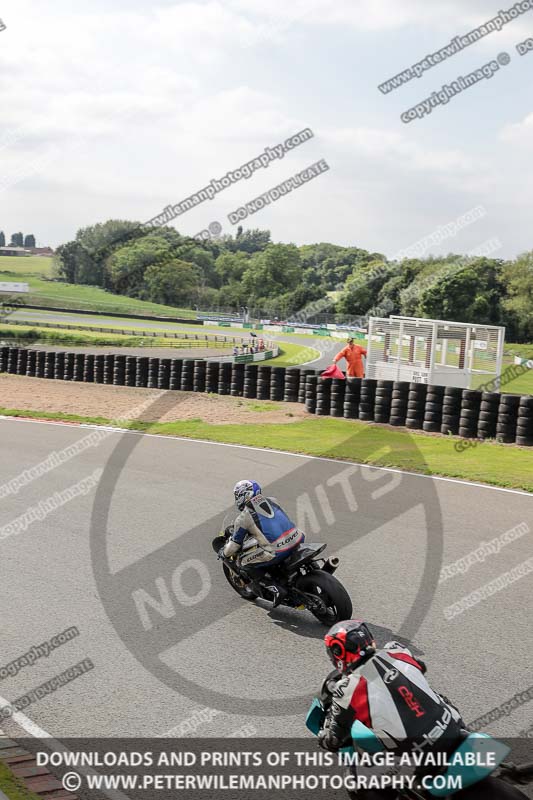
pixel 336 601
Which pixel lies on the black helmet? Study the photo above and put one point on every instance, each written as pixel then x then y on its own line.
pixel 348 643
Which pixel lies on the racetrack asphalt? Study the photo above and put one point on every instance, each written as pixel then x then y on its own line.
pixel 170 499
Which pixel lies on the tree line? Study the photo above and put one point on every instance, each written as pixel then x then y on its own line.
pixel 18 240
pixel 248 269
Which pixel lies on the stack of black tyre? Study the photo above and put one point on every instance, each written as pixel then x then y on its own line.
pixel 175 373
pixel 99 369
pixel 119 372
pixel 224 377
pixel 292 385
pixel 302 385
pixel 383 401
pixel 12 359
pixel 49 365
pixel 352 394
pixel 416 406
pixel 211 377
pixel 470 409
pixel 433 409
pixel 163 377
pixel 237 380
pixel 310 393
pixel 22 360
pixel 263 382
pixel 59 370
pixel 79 366
pixel 32 363
pixel 4 357
pixel 69 366
pixel 400 398
pixel 336 402
pixel 367 398
pixel 277 383
pixel 39 364
pixel 524 427
pixel 131 369
pixel 488 415
pixel 323 396
pixel 187 374
pixel 250 381
pixel 109 367
pixel 506 423
pixel 451 410
pixel 153 373
pixel 198 382
pixel 141 373
pixel 88 368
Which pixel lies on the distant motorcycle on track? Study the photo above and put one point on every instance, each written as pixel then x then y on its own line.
pixel 307 579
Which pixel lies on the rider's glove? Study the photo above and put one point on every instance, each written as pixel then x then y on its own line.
pixel 220 553
pixel 326 741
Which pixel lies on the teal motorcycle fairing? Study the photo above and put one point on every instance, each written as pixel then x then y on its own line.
pixel 482 746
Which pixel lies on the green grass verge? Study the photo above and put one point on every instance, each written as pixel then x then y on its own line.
pixel 36 271
pixel 488 462
pixel 291 355
pixel 26 265
pixel 13 787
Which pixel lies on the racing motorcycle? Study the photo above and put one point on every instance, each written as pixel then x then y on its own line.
pixel 306 580
pixel 363 740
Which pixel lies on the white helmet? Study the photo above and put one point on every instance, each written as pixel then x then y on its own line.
pixel 244 491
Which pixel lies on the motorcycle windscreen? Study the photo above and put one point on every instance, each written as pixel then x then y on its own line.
pixel 486 754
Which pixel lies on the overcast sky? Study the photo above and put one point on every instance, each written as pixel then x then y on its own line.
pixel 116 108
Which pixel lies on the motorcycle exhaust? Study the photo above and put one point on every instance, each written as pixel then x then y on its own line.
pixel 331 565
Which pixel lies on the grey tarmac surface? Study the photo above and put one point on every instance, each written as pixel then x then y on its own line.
pixel 168 487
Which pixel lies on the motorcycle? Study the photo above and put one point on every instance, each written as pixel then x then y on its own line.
pixel 363 739
pixel 306 580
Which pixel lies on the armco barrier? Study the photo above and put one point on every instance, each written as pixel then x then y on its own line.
pixel 471 414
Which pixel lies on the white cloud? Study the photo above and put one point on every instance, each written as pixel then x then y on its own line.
pixel 519 132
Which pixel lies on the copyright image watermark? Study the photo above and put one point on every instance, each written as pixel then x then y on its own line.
pixel 450 90
pixel 525 47
pixel 192 723
pixel 44 649
pixel 245 171
pixel 503 710
pixel 500 583
pixel 9 305
pixel 482 552
pixel 48 687
pixel 58 457
pixel 50 504
pixel 274 194
pixel 456 45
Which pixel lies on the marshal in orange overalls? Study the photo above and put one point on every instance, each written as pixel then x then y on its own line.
pixel 352 353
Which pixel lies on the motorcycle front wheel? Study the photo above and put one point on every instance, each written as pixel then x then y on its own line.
pixel 238 585
pixel 334 601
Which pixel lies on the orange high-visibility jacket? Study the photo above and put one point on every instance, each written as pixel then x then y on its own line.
pixel 352 353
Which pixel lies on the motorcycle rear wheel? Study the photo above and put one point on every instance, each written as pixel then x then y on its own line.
pixel 331 592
